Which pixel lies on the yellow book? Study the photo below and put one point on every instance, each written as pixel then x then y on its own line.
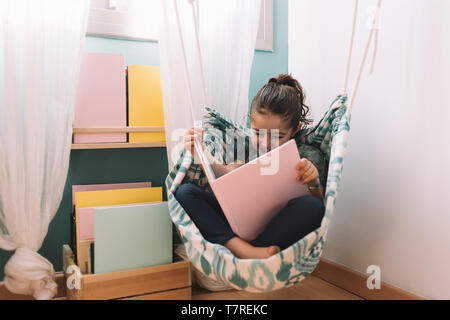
pixel 145 105
pixel 101 198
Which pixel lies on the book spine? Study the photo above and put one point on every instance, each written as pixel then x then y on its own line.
pixel 91 256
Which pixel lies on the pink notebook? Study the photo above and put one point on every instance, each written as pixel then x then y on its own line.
pixel 101 97
pixel 251 195
pixel 85 223
pixel 110 186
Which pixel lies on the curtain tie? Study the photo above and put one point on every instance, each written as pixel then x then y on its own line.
pixel 29 273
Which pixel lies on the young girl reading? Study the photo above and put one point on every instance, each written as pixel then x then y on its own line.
pixel 278 108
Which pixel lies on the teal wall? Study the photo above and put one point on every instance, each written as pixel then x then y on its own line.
pixel 269 64
pixel 132 165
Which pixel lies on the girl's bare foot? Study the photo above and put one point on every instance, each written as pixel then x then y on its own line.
pixel 244 250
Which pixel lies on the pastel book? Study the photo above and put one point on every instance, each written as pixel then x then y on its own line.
pixel 101 198
pixel 109 186
pixel 132 236
pixel 252 194
pixel 84 225
pixel 145 105
pixel 101 97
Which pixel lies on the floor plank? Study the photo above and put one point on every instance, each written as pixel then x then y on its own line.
pixel 311 288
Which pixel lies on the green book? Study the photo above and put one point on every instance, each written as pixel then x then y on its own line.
pixel 132 236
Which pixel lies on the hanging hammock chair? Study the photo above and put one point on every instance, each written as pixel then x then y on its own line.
pixel 294 263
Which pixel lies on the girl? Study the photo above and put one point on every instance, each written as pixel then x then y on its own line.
pixel 278 105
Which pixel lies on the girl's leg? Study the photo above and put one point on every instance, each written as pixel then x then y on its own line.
pixel 205 212
pixel 244 250
pixel 298 218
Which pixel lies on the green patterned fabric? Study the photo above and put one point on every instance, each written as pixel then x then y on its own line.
pixel 295 262
pixel 317 158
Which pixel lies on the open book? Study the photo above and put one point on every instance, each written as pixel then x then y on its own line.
pixel 252 194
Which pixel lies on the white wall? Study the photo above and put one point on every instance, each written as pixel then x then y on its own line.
pixel 393 209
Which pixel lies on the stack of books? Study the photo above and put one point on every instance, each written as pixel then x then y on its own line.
pixel 120 226
pixel 111 95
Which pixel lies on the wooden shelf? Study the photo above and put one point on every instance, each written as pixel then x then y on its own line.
pixel 118 129
pixel 122 145
pixel 117 145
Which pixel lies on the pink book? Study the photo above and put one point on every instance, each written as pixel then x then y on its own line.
pixel 110 186
pixel 251 195
pixel 85 223
pixel 101 97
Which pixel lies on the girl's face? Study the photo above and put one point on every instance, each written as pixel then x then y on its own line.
pixel 270 131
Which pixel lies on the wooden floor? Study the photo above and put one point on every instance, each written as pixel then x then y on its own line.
pixel 312 288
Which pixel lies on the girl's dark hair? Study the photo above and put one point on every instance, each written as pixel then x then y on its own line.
pixel 283 96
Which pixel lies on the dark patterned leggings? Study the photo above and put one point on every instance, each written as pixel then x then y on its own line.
pixel 298 218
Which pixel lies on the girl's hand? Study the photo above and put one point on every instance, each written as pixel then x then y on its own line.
pixel 307 173
pixel 194 132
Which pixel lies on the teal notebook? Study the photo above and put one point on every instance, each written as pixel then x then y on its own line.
pixel 132 236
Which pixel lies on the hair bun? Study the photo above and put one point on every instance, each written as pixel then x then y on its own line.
pixel 287 80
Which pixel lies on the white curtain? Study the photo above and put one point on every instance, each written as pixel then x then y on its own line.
pixel 227 36
pixel 41 44
pixel 215 70
pixel 392 209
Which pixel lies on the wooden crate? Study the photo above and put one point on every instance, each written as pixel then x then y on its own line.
pixel 168 282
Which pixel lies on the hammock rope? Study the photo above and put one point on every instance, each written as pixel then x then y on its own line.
pixel 350 50
pixel 373 30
